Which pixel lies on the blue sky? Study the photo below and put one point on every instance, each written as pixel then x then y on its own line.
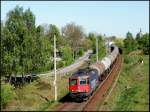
pixel 110 17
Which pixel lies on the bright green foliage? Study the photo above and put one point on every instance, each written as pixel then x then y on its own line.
pixel 23 45
pixel 7 51
pixel 101 45
pixel 143 43
pixel 67 55
pixel 53 30
pixel 7 94
pixel 29 19
pixel 119 42
pixel 138 37
pixel 80 52
pixel 17 37
pixel 129 43
pixel 28 49
pixel 140 42
pixel 92 38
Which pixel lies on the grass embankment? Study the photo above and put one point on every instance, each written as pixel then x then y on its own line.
pixel 39 95
pixel 132 89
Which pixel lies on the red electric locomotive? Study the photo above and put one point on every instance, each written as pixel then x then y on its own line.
pixel 83 83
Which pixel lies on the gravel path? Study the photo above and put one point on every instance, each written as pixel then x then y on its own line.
pixel 71 67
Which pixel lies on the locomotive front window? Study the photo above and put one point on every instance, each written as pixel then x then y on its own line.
pixel 73 82
pixel 82 81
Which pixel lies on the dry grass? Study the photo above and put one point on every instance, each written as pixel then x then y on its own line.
pixel 35 95
pixel 39 95
pixel 131 91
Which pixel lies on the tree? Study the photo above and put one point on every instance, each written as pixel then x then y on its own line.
pixel 40 31
pixel 73 34
pixel 145 43
pixel 119 42
pixel 7 52
pixel 53 30
pixel 101 44
pixel 67 55
pixel 138 38
pixel 130 43
pixel 92 38
pixel 18 40
pixel 112 38
pixel 29 20
pixel 86 44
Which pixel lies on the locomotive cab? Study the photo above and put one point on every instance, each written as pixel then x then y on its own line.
pixel 73 84
pixel 82 84
pixel 79 84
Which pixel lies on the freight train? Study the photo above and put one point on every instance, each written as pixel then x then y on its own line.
pixel 84 82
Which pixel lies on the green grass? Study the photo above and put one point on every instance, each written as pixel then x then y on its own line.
pixel 32 97
pixel 132 90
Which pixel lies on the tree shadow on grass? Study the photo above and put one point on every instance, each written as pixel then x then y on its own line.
pixel 67 98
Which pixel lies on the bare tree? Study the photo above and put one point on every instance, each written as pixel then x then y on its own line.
pixel 74 34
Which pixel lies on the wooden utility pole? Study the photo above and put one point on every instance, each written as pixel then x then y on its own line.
pixel 55 80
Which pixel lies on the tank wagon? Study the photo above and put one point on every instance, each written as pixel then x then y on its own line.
pixel 83 83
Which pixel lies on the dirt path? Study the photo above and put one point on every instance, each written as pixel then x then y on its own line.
pixel 79 62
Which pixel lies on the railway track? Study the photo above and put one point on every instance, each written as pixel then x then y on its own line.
pixel 96 99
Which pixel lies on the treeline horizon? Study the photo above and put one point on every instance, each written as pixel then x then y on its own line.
pixel 27 48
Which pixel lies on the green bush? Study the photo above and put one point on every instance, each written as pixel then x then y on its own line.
pixel 80 52
pixel 7 94
pixel 66 55
pixel 126 60
pixel 93 58
pixel 60 64
pixel 68 62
